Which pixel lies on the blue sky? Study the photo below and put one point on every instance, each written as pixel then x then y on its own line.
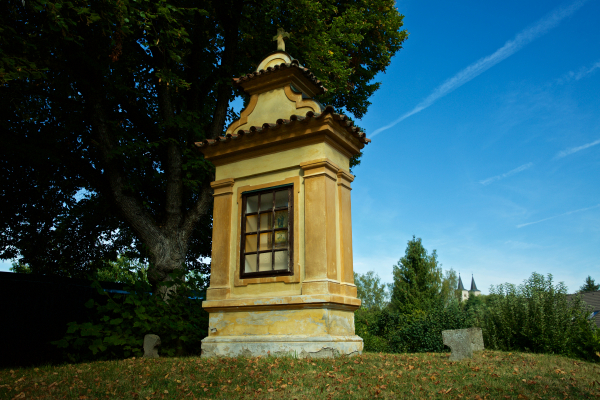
pixel 486 143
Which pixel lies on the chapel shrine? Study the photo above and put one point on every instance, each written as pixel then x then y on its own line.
pixel 282 279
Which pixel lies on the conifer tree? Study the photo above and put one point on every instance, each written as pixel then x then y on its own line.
pixel 589 286
pixel 417 279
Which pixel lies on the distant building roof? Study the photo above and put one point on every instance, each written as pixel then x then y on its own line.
pixel 592 299
pixel 460 284
pixel 473 285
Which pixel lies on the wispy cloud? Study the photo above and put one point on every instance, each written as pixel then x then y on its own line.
pixel 507 174
pixel 522 39
pixel 572 150
pixel 582 73
pixel 560 215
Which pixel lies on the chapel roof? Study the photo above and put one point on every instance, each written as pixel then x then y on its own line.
pixel 270 70
pixel 460 284
pixel 341 119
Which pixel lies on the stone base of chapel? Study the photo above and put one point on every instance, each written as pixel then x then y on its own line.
pixel 297 330
pixel 297 346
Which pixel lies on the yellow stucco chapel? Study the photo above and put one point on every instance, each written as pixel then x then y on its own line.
pixel 281 274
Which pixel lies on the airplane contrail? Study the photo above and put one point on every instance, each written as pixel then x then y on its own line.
pixel 560 215
pixel 572 150
pixel 522 39
pixel 507 174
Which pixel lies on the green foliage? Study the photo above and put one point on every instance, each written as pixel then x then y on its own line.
pixel 423 333
pixel 423 304
pixel 538 317
pixel 109 97
pixel 448 291
pixel 417 279
pixel 19 268
pixel 589 286
pixel 390 331
pixel 373 293
pixel 365 321
pixel 123 270
pixel 117 326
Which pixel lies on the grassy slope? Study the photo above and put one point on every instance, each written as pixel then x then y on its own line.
pixel 490 374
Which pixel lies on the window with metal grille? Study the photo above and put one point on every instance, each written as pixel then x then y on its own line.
pixel 267 232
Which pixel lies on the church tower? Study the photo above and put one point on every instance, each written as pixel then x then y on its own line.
pixel 464 293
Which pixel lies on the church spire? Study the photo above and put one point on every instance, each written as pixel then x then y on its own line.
pixel 473 285
pixel 460 284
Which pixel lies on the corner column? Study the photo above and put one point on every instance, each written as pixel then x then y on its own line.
pixel 346 263
pixel 320 231
pixel 221 240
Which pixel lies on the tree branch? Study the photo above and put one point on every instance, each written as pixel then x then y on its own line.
pixel 138 218
pixel 201 207
pixel 229 15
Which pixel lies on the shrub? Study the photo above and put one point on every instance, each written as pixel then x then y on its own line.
pixel 116 329
pixel 423 332
pixel 537 317
pixel 419 331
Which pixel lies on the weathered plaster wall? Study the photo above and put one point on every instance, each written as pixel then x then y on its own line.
pixel 271 163
pixel 310 322
pixel 299 346
pixel 275 104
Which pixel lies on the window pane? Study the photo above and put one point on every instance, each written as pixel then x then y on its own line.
pixel 250 263
pixel 281 239
pixel 266 201
pixel 266 221
pixel 266 241
pixel 250 243
pixel 281 198
pixel 281 260
pixel 264 261
pixel 252 204
pixel 251 223
pixel 281 219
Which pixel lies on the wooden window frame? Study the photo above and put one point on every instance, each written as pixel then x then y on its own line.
pixel 290 232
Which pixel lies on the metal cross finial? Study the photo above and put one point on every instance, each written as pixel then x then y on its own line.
pixel 281 33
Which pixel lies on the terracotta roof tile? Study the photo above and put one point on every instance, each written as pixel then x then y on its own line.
pixel 342 120
pixel 294 64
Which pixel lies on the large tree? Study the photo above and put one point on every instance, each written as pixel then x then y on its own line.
pixel 101 102
pixel 417 279
pixel 371 291
pixel 449 291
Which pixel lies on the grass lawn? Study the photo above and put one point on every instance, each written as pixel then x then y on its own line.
pixel 490 374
